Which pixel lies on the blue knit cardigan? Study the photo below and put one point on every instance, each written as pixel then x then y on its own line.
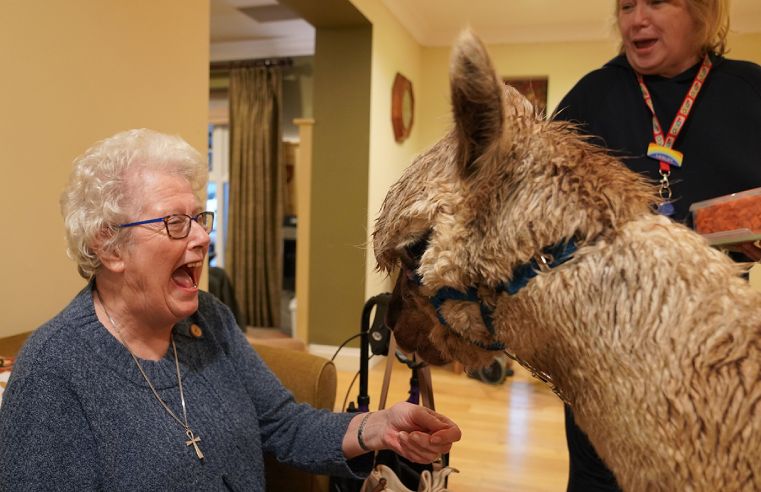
pixel 77 414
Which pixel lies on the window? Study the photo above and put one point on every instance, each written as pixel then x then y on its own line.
pixel 218 191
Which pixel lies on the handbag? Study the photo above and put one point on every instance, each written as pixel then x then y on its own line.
pixel 394 473
pixel 383 478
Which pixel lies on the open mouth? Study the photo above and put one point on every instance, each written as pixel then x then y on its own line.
pixel 187 275
pixel 643 44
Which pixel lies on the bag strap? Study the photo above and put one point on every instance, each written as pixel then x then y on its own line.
pixel 387 373
pixel 424 379
pixel 441 470
pixel 426 387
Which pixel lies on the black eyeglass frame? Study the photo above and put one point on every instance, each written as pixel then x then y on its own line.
pixel 208 218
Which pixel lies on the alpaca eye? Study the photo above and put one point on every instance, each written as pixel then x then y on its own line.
pixel 411 254
pixel 407 260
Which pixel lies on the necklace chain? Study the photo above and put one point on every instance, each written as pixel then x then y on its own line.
pixel 193 439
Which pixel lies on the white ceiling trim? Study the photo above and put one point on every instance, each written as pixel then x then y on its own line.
pixel 263 48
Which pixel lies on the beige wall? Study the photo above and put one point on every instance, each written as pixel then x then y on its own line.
pixel 745 46
pixel 75 72
pixel 562 63
pixel 394 50
pixel 339 168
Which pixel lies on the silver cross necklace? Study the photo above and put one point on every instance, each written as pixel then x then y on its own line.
pixel 193 439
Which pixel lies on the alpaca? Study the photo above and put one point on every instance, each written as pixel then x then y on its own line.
pixel 515 232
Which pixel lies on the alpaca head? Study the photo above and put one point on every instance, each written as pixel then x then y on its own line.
pixel 488 197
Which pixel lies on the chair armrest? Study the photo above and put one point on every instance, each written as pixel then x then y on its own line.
pixel 311 379
pixel 12 344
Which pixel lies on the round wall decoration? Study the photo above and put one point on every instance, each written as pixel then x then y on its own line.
pixel 402 107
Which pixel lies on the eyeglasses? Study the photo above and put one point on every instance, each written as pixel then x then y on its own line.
pixel 178 225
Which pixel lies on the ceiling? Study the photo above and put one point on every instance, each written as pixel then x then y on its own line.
pixel 263 28
pixel 250 29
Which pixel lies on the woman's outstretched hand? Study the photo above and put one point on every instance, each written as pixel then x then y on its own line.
pixel 415 432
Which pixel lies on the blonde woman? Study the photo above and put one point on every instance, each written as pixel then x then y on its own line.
pixel 671 69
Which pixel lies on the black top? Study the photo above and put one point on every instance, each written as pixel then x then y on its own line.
pixel 721 143
pixel 721 140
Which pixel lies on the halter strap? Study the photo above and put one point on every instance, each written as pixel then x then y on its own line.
pixel 522 274
pixel 560 253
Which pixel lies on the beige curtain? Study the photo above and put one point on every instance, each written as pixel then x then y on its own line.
pixel 254 255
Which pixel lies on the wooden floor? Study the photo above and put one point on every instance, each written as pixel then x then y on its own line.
pixel 513 435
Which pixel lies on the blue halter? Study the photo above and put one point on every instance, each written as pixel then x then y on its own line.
pixel 522 274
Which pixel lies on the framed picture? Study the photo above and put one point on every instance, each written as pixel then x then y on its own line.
pixel 535 90
pixel 402 107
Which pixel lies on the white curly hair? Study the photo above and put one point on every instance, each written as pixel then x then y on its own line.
pixel 97 197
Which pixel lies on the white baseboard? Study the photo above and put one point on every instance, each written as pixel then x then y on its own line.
pixel 347 359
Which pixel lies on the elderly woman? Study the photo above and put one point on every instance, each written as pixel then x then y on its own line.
pixel 145 382
pixel 671 88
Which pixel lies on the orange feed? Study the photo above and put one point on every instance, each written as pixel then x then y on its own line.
pixel 743 213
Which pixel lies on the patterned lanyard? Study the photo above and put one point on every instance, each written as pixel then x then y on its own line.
pixel 661 150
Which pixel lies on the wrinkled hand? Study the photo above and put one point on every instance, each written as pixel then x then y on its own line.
pixel 419 434
pixel 415 432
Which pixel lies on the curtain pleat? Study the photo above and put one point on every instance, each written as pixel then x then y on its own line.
pixel 254 255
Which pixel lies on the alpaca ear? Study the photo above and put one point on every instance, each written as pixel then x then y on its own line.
pixel 477 99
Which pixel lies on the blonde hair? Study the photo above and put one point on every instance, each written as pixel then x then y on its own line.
pixel 97 197
pixel 712 18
